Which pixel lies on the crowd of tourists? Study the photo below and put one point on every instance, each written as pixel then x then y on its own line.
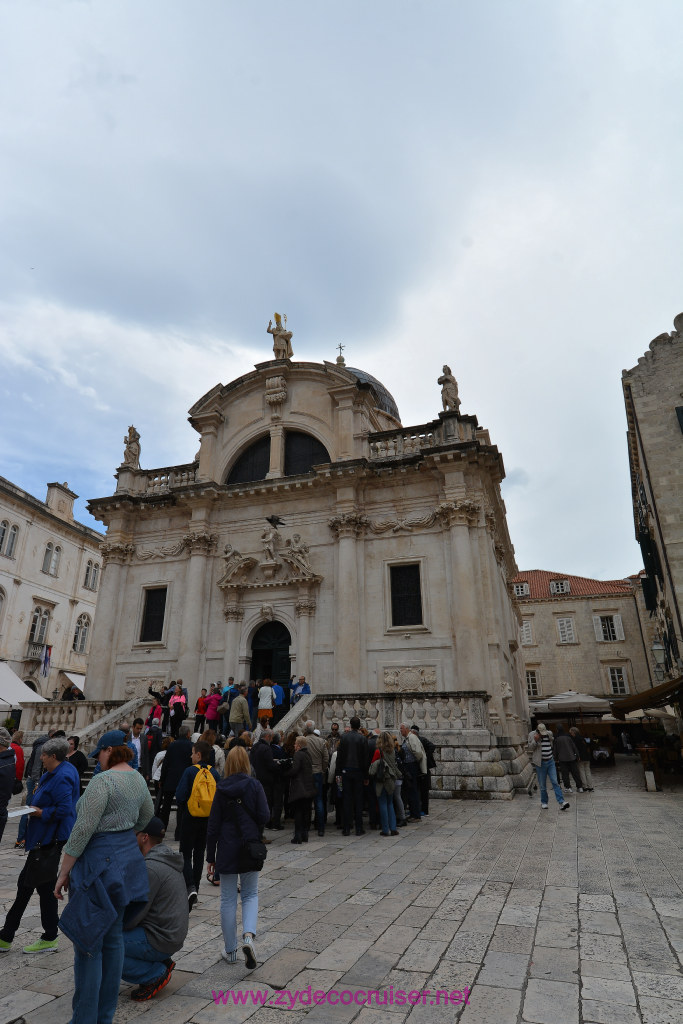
pixel 130 893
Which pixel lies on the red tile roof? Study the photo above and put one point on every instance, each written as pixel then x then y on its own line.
pixel 579 586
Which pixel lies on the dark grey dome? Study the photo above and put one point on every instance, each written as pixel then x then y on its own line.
pixel 385 400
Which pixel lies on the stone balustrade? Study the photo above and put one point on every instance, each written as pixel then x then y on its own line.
pixel 159 481
pixel 448 429
pixel 85 718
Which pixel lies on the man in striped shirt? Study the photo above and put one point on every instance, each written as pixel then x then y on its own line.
pixel 540 749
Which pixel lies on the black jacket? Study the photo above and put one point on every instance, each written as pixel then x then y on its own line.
pixel 221 831
pixel 263 763
pixel 178 758
pixel 149 750
pixel 429 749
pixel 301 783
pixel 352 754
pixel 8 769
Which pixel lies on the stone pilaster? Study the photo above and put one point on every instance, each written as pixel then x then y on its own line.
pixel 200 544
pixel 115 558
pixel 348 527
pixel 233 613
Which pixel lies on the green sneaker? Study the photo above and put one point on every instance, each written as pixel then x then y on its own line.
pixel 42 946
pixel 5 946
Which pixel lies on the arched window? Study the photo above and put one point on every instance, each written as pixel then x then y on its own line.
pixel 47 557
pixel 12 541
pixel 4 528
pixel 253 464
pixel 302 453
pixel 81 633
pixel 56 556
pixel 92 572
pixel 39 623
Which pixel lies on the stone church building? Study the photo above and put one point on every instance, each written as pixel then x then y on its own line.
pixel 315 535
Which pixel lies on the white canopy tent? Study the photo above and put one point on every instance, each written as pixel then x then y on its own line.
pixel 13 690
pixel 75 679
pixel 570 702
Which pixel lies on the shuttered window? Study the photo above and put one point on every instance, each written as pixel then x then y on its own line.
pixel 565 628
pixel 608 628
pixel 406 595
pixel 153 615
pixel 533 688
pixel 527 637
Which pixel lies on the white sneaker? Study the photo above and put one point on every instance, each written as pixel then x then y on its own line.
pixel 565 806
pixel 191 898
pixel 249 952
pixel 569 790
pixel 580 790
pixel 544 807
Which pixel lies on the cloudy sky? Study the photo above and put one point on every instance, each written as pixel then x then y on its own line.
pixel 489 184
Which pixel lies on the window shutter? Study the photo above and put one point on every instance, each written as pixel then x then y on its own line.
pixel 597 626
pixel 618 627
pixel 553 587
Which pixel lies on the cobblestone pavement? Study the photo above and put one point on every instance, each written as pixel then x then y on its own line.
pixel 546 917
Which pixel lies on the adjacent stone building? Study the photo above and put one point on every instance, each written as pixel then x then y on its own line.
pixel 582 634
pixel 653 394
pixel 49 580
pixel 315 535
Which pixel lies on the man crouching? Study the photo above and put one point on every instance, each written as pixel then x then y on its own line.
pixel 152 934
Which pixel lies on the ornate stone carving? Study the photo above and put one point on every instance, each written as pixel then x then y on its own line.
pixel 117 553
pixel 449 391
pixel 237 566
pixel 131 454
pixel 305 606
pixel 414 677
pixel 137 686
pixel 202 542
pixel 233 613
pixel 447 513
pixel 458 513
pixel 505 690
pixel 267 612
pixel 348 524
pixel 276 393
pixel 295 553
pixel 282 338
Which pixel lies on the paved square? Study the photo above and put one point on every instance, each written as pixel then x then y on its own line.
pixel 546 918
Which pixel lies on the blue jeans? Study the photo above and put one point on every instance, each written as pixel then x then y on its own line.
pixel 387 815
pixel 97 976
pixel 544 771
pixel 249 892
pixel 142 963
pixel 23 821
pixel 320 815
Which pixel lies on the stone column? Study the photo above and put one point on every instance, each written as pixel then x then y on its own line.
pixel 305 608
pixel 102 657
pixel 470 621
pixel 200 544
pixel 233 613
pixel 277 452
pixel 347 526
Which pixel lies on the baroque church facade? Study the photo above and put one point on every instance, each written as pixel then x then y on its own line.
pixel 315 535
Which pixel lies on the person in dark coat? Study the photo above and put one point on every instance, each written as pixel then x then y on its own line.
pixel 584 759
pixel 76 757
pixel 178 758
pixel 150 745
pixel 425 781
pixel 238 815
pixel 567 756
pixel 301 789
pixel 265 768
pixel 352 775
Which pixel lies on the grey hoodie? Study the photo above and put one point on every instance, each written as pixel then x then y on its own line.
pixel 165 917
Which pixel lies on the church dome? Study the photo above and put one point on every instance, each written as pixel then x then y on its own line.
pixel 385 400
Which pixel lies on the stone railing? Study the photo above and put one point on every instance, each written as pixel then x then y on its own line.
pixel 448 429
pixel 85 718
pixel 455 711
pixel 159 481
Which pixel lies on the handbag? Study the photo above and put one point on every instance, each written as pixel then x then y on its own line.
pixel 377 769
pixel 17 787
pixel 42 863
pixel 253 852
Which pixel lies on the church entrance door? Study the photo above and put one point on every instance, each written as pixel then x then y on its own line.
pixel 270 653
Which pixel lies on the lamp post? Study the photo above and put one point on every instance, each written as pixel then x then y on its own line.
pixel 659 654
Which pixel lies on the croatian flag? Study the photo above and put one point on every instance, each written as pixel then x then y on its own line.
pixel 47 653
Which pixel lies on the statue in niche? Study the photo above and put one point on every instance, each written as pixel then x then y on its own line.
pixel 296 553
pixel 449 391
pixel 282 338
pixel 131 454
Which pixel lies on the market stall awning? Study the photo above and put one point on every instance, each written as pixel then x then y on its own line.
pixel 75 679
pixel 568 702
pixel 666 693
pixel 13 690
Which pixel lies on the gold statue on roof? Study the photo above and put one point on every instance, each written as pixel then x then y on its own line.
pixel 282 338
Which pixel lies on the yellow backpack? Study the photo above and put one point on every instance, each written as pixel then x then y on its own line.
pixel 203 792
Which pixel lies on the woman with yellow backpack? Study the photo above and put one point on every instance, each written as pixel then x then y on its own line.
pixel 197 788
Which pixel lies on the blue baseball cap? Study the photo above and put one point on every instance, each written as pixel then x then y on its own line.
pixel 113 738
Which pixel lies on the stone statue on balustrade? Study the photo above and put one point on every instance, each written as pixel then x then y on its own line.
pixel 131 454
pixel 282 338
pixel 296 553
pixel 449 391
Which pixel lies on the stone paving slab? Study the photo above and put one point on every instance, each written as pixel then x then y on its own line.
pixel 501 899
